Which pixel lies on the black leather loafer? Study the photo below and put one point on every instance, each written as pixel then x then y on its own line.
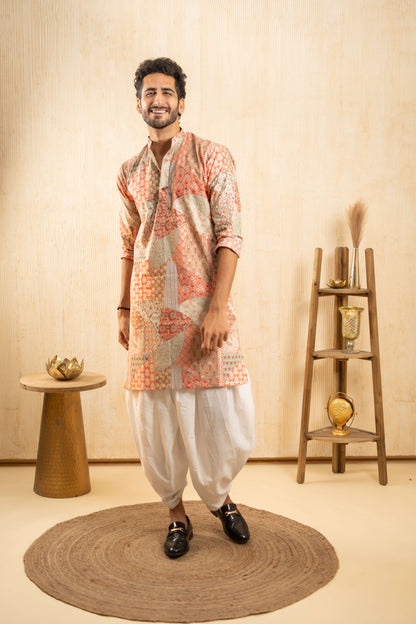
pixel 233 523
pixel 177 540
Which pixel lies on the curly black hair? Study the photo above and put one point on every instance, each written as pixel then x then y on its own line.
pixel 161 65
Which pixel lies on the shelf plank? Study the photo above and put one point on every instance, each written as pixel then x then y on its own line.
pixel 355 435
pixel 353 292
pixel 339 354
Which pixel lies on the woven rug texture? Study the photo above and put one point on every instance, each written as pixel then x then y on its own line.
pixel 111 562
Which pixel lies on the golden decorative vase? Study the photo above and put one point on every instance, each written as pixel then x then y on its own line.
pixel 350 326
pixel 354 280
pixel 341 411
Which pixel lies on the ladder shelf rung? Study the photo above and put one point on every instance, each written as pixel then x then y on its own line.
pixel 355 435
pixel 352 292
pixel 339 354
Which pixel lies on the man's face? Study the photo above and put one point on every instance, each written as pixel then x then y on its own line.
pixel 159 104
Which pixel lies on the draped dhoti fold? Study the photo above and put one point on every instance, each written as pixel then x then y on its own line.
pixel 209 432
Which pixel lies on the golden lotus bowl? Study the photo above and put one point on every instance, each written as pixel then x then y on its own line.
pixel 337 283
pixel 65 369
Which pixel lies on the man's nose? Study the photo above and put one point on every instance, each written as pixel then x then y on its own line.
pixel 159 99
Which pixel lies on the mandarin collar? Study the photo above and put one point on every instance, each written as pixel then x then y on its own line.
pixel 178 137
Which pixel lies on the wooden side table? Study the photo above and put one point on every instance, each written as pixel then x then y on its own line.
pixel 62 463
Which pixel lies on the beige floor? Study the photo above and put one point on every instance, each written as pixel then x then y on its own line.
pixel 373 529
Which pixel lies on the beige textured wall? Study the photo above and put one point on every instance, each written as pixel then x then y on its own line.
pixel 317 101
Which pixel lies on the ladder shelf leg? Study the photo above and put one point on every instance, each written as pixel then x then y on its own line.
pixel 338 458
pixel 307 387
pixel 340 366
pixel 376 368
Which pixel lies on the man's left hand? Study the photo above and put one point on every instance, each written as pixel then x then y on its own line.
pixel 214 329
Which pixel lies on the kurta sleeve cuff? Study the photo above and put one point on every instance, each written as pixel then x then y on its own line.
pixel 126 254
pixel 231 242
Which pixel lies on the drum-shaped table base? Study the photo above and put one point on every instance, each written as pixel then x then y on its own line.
pixel 62 463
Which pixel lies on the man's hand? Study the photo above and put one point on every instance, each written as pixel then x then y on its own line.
pixel 124 328
pixel 214 329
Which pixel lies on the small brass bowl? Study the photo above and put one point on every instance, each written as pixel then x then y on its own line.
pixel 337 283
pixel 65 369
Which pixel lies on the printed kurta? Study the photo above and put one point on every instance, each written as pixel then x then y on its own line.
pixel 172 222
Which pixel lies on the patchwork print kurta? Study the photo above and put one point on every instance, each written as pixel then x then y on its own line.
pixel 173 220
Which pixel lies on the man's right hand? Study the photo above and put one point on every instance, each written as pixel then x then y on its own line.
pixel 124 328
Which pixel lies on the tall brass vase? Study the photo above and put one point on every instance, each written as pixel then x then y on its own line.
pixel 354 281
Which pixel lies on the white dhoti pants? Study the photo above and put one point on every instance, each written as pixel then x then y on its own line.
pixel 208 431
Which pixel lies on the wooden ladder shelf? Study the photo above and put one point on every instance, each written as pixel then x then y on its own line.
pixel 340 359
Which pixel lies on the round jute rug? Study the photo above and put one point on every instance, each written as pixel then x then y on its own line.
pixel 112 563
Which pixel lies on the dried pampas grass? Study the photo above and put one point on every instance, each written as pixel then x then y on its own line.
pixel 356 217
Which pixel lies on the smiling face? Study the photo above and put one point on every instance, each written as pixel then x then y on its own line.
pixel 159 104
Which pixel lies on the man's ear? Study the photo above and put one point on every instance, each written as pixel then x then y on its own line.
pixel 138 105
pixel 181 106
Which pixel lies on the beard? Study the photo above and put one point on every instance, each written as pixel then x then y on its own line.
pixel 155 122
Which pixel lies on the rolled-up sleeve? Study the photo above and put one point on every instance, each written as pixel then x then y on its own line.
pixel 224 198
pixel 129 217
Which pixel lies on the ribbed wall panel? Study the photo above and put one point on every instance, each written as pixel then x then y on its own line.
pixel 316 100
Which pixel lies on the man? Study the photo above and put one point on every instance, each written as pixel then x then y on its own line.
pixel 188 391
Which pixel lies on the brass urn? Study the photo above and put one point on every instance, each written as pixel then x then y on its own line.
pixel 341 413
